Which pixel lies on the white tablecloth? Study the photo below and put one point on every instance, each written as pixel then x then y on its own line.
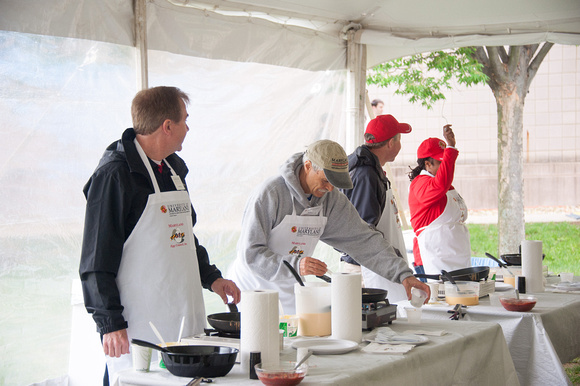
pixel 469 354
pixel 539 340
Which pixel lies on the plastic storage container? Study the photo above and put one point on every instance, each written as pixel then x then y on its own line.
pixel 313 308
pixel 468 293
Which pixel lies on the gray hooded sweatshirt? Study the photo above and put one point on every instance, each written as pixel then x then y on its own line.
pixel 345 230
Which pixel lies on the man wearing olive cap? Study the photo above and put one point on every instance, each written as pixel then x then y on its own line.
pixel 288 214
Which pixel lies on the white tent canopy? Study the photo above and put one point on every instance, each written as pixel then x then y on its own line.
pixel 304 34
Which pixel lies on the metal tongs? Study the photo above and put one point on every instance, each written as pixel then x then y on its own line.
pixel 457 312
pixel 197 380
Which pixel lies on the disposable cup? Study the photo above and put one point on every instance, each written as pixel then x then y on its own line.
pixel 301 352
pixel 413 315
pixel 494 299
pixel 566 276
pixel 141 357
pixel 509 279
pixel 281 336
pixel 418 297
pixel 434 287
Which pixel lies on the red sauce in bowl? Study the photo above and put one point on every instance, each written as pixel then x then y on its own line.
pixel 281 378
pixel 520 305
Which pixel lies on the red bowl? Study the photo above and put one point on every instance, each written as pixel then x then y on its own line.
pixel 523 304
pixel 282 374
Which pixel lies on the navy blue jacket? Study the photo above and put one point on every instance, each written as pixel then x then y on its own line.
pixel 370 185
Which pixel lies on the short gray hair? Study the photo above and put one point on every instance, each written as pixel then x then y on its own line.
pixel 305 158
pixel 370 137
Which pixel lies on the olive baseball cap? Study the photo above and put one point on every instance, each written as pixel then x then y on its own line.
pixel 331 157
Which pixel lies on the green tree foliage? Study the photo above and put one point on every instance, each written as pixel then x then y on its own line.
pixel 424 77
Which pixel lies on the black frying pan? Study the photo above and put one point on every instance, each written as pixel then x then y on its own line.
pixel 514 258
pixel 373 295
pixel 464 274
pixel 195 361
pixel 228 322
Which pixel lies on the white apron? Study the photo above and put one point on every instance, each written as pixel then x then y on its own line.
pixel 158 277
pixel 444 244
pixel 284 241
pixel 390 227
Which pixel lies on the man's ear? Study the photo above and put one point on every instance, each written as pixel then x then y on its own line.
pixel 166 126
pixel 307 166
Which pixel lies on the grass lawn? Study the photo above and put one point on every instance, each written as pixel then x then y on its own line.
pixel 560 243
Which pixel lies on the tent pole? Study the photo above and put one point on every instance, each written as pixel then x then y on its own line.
pixel 140 12
pixel 355 89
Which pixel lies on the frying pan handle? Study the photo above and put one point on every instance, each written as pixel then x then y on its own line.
pixel 143 343
pixel 501 263
pixel 325 278
pixel 296 275
pixel 448 276
pixel 427 276
pixel 233 307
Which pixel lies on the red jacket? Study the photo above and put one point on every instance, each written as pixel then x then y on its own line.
pixel 428 196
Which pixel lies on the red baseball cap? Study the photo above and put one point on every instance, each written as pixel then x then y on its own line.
pixel 384 127
pixel 431 147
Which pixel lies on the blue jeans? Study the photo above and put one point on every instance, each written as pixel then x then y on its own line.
pixel 420 270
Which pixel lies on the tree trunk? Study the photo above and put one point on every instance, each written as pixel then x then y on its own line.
pixel 511 231
pixel 510 75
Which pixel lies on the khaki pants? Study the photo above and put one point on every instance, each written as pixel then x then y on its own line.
pixel 352 268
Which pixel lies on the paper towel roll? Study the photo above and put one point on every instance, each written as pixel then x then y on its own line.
pixel 532 265
pixel 346 306
pixel 259 327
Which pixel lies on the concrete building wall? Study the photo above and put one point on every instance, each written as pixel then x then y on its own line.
pixel 551 135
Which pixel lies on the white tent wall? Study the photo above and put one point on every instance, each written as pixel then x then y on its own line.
pixel 63 101
pixel 60 100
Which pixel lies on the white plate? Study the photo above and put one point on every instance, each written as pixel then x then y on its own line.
pixel 402 339
pixel 503 287
pixel 324 346
pixel 567 286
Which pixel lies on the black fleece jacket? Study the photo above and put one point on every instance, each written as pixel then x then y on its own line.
pixel 117 194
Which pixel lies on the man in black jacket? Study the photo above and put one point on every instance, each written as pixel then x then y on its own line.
pixel 372 194
pixel 140 260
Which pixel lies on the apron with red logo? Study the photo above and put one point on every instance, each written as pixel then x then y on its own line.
pixel 158 278
pixel 296 234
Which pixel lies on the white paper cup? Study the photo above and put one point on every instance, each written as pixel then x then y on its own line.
pixel 413 315
pixel 301 353
pixel 141 357
pixel 434 287
pixel 566 276
pixel 494 298
pixel 418 297
pixel 281 335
